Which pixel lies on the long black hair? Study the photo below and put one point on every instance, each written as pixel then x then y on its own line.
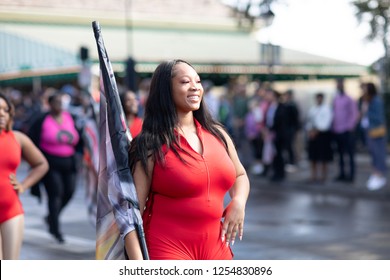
pixel 371 91
pixel 161 118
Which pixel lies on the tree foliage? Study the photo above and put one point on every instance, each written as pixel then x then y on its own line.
pixel 248 11
pixel 377 14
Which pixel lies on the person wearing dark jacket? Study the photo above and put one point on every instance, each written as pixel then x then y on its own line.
pixel 374 124
pixel 55 134
pixel 293 125
pixel 275 122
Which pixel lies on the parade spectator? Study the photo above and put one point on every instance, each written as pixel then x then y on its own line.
pixel 142 94
pixel 293 126
pixel 318 124
pixel 87 126
pixel 240 109
pixel 345 117
pixel 253 121
pixel 373 122
pixel 360 133
pixel 15 146
pixel 275 129
pixel 54 132
pixel 267 149
pixel 183 164
pixel 130 106
pixel 225 113
pixel 212 101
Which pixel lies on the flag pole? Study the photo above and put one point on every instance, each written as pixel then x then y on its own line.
pixel 123 196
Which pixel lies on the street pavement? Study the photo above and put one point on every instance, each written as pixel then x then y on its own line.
pixel 298 219
pixel 289 220
pixel 79 231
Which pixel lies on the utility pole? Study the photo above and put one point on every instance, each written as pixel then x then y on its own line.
pixel 130 72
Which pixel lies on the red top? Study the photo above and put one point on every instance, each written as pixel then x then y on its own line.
pixel 184 210
pixel 10 151
pixel 136 126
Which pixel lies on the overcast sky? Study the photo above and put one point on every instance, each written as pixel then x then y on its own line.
pixel 323 27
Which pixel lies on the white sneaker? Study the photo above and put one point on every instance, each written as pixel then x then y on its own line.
pixel 289 168
pixel 370 179
pixel 376 182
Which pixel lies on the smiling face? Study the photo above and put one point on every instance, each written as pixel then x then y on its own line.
pixel 130 103
pixel 4 115
pixel 187 90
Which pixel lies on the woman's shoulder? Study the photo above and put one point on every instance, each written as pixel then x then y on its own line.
pixel 19 136
pixel 375 104
pixel 377 100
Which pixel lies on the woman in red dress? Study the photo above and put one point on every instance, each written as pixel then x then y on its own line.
pixel 14 147
pixel 183 164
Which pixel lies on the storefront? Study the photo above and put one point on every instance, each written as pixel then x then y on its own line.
pixel 44 42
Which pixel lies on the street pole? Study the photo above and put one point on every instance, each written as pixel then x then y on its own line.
pixel 130 73
pixel 271 63
pixel 129 28
pixel 268 17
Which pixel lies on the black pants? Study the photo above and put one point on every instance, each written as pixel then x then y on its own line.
pixel 345 144
pixel 60 184
pixel 278 161
pixel 257 147
pixel 289 146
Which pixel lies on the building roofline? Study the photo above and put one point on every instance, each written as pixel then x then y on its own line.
pixel 115 19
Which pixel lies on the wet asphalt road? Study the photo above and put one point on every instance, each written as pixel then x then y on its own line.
pixel 291 220
pixel 293 224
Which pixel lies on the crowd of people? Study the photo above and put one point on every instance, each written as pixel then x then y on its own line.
pixel 270 121
pixel 57 132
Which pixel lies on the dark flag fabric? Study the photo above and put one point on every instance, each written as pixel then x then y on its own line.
pixel 117 203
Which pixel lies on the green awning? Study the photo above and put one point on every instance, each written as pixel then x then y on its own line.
pixel 22 57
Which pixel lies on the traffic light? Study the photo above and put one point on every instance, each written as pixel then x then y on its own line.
pixel 84 54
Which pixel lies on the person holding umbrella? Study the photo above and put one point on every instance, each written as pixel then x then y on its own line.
pixel 183 163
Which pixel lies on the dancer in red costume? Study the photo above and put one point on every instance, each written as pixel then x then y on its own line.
pixel 14 147
pixel 183 164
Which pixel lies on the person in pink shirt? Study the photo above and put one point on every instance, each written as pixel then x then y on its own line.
pixel 345 117
pixel 55 134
